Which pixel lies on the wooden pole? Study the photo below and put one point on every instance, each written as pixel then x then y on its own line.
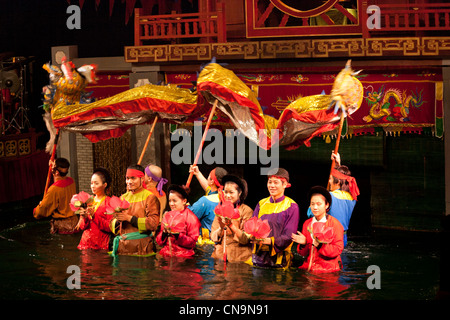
pixel 148 140
pixel 336 147
pixel 213 110
pixel 52 158
pixel 225 245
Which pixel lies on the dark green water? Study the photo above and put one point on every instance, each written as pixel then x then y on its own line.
pixel 34 266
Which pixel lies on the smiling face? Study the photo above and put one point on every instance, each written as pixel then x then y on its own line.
pixel 276 187
pixel 176 201
pixel 97 185
pixel 134 183
pixel 318 205
pixel 231 192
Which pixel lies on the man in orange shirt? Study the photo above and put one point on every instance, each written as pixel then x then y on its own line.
pixel 134 228
pixel 55 203
pixel 154 183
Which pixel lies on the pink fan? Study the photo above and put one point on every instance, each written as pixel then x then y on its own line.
pixel 227 210
pixel 116 205
pixel 258 228
pixel 80 200
pixel 321 233
pixel 174 221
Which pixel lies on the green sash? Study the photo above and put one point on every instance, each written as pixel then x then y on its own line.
pixel 127 236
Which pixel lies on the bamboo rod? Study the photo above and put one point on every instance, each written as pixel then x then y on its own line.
pixel 148 140
pixel 213 110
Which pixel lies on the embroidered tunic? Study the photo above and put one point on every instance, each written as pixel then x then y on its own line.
pixel 136 236
pixel 283 217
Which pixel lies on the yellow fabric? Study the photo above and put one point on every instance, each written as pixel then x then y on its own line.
pixel 213 197
pixel 98 203
pixel 135 197
pixel 170 93
pixel 343 195
pixel 267 207
pixel 141 225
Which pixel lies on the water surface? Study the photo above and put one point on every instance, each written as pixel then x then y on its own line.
pixel 34 266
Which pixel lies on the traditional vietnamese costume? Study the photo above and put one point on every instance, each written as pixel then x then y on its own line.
pixel 96 231
pixel 283 217
pixel 327 256
pixel 238 249
pixel 55 204
pixel 182 244
pixel 136 237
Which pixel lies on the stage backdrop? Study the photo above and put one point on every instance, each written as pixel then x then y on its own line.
pixel 407 101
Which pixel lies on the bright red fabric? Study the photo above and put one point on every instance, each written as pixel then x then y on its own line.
pixel 184 244
pixel 327 257
pixel 96 231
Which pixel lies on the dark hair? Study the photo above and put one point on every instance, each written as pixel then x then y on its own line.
pixel 137 167
pixel 105 176
pixel 241 184
pixel 322 191
pixel 181 190
pixel 220 173
pixel 62 163
pixel 344 186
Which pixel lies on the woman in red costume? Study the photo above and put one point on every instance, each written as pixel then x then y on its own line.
pixel 323 254
pixel 94 221
pixel 182 242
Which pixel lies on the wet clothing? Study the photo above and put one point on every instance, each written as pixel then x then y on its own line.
pixel 55 204
pixel 342 205
pixel 283 217
pixel 238 249
pixel 204 210
pixel 96 231
pixel 136 237
pixel 182 244
pixel 327 256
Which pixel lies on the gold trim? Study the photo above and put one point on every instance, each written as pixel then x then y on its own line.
pixel 292 49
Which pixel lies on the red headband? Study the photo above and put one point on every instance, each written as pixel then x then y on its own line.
pixel 354 190
pixel 213 176
pixel 134 173
pixel 281 178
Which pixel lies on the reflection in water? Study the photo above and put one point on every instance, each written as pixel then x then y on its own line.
pixel 34 266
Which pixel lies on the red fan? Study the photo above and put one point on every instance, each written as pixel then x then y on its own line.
pixel 258 228
pixel 174 222
pixel 80 200
pixel 321 233
pixel 116 205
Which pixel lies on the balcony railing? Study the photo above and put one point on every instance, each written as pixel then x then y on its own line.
pixel 410 17
pixel 172 27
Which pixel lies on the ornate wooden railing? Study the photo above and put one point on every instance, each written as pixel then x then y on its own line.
pixel 409 17
pixel 172 27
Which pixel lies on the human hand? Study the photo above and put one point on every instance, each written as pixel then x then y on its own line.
pixel 298 238
pixel 267 241
pixel 122 216
pixel 194 169
pixel 336 157
pixel 315 243
pixel 224 221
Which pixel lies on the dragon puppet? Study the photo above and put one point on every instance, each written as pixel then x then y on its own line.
pixel 66 87
pixel 300 121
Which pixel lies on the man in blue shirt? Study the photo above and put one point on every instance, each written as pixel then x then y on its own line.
pixel 204 207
